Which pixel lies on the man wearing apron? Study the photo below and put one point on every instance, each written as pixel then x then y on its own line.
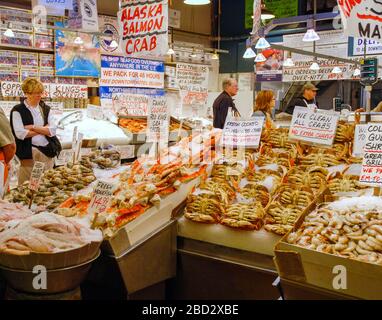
pixel 308 98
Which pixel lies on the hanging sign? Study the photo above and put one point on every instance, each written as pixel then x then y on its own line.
pixel 243 133
pixel 371 173
pixel 143 25
pixel 53 7
pixel 360 135
pixel 174 18
pixel 361 18
pixel 357 47
pixel 158 120
pixel 109 27
pixel 272 68
pixel 37 172
pixel 317 127
pixel 131 72
pixel 84 15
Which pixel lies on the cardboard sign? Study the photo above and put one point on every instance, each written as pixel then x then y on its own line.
pixel 371 173
pixel 158 120
pixel 130 104
pixel 11 89
pixel 127 152
pixel 143 26
pixel 243 133
pixel 316 127
pixel 361 18
pixel 64 157
pixel 360 135
pixel 37 172
pixel 101 198
pixel 131 72
pixel 72 91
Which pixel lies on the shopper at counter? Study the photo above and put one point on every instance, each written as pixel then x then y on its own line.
pixel 308 98
pixel 7 144
pixel 265 102
pixel 224 103
pixel 33 130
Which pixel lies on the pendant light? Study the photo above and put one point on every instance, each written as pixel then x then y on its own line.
pixel 78 40
pixel 265 13
pixel 196 2
pixel 315 66
pixel 193 54
pixel 249 53
pixel 262 44
pixel 215 56
pixel 260 58
pixel 114 44
pixel 357 72
pixel 310 36
pixel 288 63
pixel 336 70
pixel 9 32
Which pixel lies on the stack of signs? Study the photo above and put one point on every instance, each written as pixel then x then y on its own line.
pixel 371 173
pixel 243 133
pixel 158 120
pixel 314 127
pixel 143 25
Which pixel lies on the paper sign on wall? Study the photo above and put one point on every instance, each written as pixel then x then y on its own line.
pixel 360 135
pixel 243 133
pixel 317 127
pixel 371 173
pixel 143 27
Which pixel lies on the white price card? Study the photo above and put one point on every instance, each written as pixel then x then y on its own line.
pixel 371 173
pixel 94 112
pixel 77 147
pixel 360 135
pixel 102 194
pixel 64 157
pixel 316 127
pixel 243 133
pixel 37 172
pixel 127 152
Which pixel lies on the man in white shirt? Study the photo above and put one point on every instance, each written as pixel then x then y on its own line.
pixel 31 125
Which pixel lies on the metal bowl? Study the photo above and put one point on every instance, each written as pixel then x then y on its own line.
pixel 57 280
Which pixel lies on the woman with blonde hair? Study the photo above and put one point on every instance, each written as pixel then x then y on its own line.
pixel 33 129
pixel 265 102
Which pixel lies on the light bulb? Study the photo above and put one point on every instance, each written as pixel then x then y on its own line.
pixel 260 58
pixel 288 63
pixel 170 51
pixel 249 53
pixel 215 56
pixel 310 36
pixel 336 70
pixel 262 44
pixel 314 66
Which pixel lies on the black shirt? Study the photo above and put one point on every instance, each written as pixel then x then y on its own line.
pixel 300 102
pixel 220 109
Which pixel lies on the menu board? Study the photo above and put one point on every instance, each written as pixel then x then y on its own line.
pixel 313 126
pixel 29 60
pixel 8 59
pixel 371 173
pixel 243 133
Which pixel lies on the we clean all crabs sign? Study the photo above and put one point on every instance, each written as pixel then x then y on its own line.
pixel 362 18
pixel 313 126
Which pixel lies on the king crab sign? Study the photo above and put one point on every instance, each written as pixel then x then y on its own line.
pixel 362 18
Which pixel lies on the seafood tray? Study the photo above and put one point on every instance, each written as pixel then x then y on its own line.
pixel 103 159
pixel 300 258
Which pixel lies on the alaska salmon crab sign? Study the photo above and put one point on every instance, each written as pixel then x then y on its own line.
pixel 143 27
pixel 362 18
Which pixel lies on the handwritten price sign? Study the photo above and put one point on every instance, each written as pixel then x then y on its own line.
pixel 243 133
pixel 360 135
pixel 101 198
pixel 37 172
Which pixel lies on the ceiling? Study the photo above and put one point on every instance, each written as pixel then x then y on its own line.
pixel 108 7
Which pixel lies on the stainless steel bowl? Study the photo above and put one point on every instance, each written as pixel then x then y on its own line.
pixel 57 280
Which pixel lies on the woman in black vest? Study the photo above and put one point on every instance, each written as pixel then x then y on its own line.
pixel 33 129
